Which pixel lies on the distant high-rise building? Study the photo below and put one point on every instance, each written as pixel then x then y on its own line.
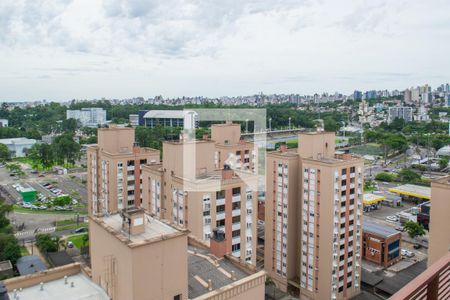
pixel 439 242
pixel 89 117
pixel 134 120
pixel 415 94
pixel 313 212
pixel 407 96
pixel 357 95
pixel 400 112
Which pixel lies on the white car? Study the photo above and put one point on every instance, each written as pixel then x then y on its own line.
pixel 406 253
pixel 392 218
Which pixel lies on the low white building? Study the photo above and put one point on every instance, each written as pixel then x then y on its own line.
pixel 3 123
pixel 89 117
pixel 18 146
pixel 444 151
pixel 186 119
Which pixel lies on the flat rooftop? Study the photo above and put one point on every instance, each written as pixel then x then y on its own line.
pixel 372 198
pixel 201 268
pixel 83 288
pixel 412 190
pixel 154 229
pixel 379 230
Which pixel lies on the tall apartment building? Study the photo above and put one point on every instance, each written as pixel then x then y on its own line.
pixel 313 219
pixel 197 188
pixel 439 243
pixel 90 117
pixel 114 170
pixel 400 112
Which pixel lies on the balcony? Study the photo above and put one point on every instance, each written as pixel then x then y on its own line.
pixel 220 216
pixel 236 198
pixel 432 284
pixel 235 240
pixel 220 201
pixel 236 212
pixel 236 226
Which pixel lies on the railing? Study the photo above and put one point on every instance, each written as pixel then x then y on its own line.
pixel 432 284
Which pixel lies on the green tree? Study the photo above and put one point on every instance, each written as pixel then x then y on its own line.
pixel 42 155
pixel 414 229
pixel 408 175
pixel 385 177
pixel 9 247
pixel 47 243
pixel 66 149
pixel 443 162
pixel 4 153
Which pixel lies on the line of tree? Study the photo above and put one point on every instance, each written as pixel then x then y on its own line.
pixel 9 246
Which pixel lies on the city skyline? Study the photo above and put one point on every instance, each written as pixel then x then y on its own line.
pixel 121 49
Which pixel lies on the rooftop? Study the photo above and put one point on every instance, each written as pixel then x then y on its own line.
pixel 201 268
pixel 444 180
pixel 83 288
pixel 380 230
pixel 412 190
pixel 168 114
pixel 155 230
pixel 30 264
pixel 21 140
pixel 5 265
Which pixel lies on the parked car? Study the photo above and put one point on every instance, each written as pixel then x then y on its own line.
pixel 80 230
pixel 400 228
pixel 392 218
pixel 69 244
pixel 407 253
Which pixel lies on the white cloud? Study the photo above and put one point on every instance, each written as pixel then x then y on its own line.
pixel 209 47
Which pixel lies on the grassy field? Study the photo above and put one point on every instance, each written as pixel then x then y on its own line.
pixel 77 240
pixel 367 149
pixel 68 224
pixel 18 208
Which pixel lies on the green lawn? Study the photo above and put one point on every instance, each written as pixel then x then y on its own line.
pixel 77 239
pixel 367 149
pixel 18 208
pixel 24 251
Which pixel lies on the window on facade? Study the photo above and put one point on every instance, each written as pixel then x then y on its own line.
pixel 352 169
pixel 344 171
pixel 236 191
pixel 236 205
pixel 177 297
pixel 236 219
pixel 220 223
pixel 236 247
pixel 220 208
pixel 220 194
pixel 130 163
pixel 143 161
pixel 236 233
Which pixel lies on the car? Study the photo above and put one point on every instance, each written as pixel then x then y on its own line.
pixel 417 246
pixel 80 230
pixel 392 218
pixel 407 253
pixel 69 244
pixel 400 228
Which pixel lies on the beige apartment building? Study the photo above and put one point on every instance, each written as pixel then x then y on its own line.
pixel 439 242
pixel 138 257
pixel 114 170
pixel 313 212
pixel 190 190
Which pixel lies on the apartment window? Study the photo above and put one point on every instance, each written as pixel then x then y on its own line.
pixel 220 194
pixel 236 219
pixel 344 171
pixel 236 205
pixel 220 208
pixel 143 161
pixel 341 289
pixel 236 191
pixel 352 169
pixel 220 223
pixel 177 297
pixel 236 233
pixel 130 163
pixel 349 284
pixel 236 247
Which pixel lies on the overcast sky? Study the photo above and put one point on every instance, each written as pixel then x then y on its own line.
pixel 86 49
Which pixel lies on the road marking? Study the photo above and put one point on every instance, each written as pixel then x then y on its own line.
pixel 32 232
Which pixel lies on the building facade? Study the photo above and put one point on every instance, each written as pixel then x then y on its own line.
pixel 400 112
pixel 3 123
pixel 313 219
pixel 171 118
pixel 192 189
pixel 439 241
pixel 114 170
pixel 18 147
pixel 381 244
pixel 89 117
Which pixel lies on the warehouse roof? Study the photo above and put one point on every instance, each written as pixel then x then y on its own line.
pixel 380 230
